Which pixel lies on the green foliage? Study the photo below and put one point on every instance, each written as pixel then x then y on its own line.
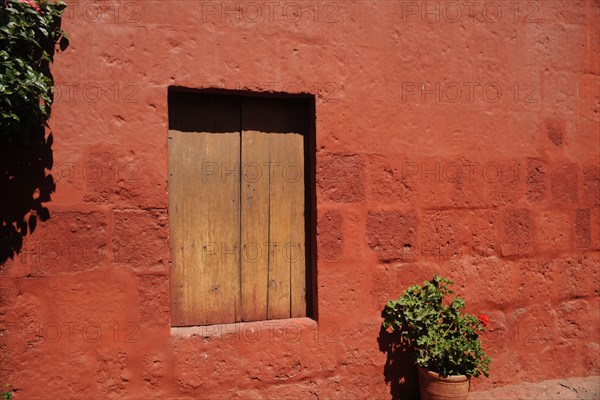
pixel 6 394
pixel 29 33
pixel 443 339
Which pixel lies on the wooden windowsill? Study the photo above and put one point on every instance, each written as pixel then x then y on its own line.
pixel 290 325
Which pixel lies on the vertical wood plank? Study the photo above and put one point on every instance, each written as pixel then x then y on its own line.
pixel 255 225
pixel 283 124
pixel 204 220
pixel 286 286
pixel 294 174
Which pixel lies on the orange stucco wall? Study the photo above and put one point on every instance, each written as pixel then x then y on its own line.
pixel 459 138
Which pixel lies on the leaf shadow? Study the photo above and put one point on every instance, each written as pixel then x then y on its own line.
pixel 399 371
pixel 25 185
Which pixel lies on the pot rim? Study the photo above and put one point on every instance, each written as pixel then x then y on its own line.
pixel 449 378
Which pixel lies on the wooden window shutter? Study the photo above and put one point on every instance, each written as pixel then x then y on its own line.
pixel 236 209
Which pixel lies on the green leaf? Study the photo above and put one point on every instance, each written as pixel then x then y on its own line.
pixel 443 339
pixel 28 40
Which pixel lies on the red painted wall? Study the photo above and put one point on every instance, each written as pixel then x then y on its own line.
pixel 456 138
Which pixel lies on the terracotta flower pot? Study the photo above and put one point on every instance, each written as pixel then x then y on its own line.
pixel 434 387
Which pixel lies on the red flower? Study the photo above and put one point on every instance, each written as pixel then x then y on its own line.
pixel 32 3
pixel 484 319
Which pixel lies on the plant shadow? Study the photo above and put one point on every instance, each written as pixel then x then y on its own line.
pixel 399 370
pixel 25 185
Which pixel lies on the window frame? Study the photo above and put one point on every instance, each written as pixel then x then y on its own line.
pixel 309 142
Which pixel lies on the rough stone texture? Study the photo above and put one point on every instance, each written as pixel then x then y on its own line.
pixel 583 235
pixel 573 316
pixel 505 183
pixel 555 132
pixel 536 180
pixel 579 277
pixel 484 236
pixel 534 325
pixel 536 280
pixel 412 148
pixel 586 388
pixel 389 281
pixel 341 178
pixel 491 272
pixel 69 242
pixel 348 296
pixel 112 176
pixel 392 234
pixel 153 300
pixel 595 227
pixel 392 181
pixel 564 184
pixel 444 234
pixel 141 239
pixel 154 370
pixel 330 240
pixel 111 372
pixel 553 232
pixel 517 238
pixel 591 184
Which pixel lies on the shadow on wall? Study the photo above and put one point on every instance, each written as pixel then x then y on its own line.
pixel 24 187
pixel 399 371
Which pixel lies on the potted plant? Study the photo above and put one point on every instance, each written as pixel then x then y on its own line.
pixel 444 340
